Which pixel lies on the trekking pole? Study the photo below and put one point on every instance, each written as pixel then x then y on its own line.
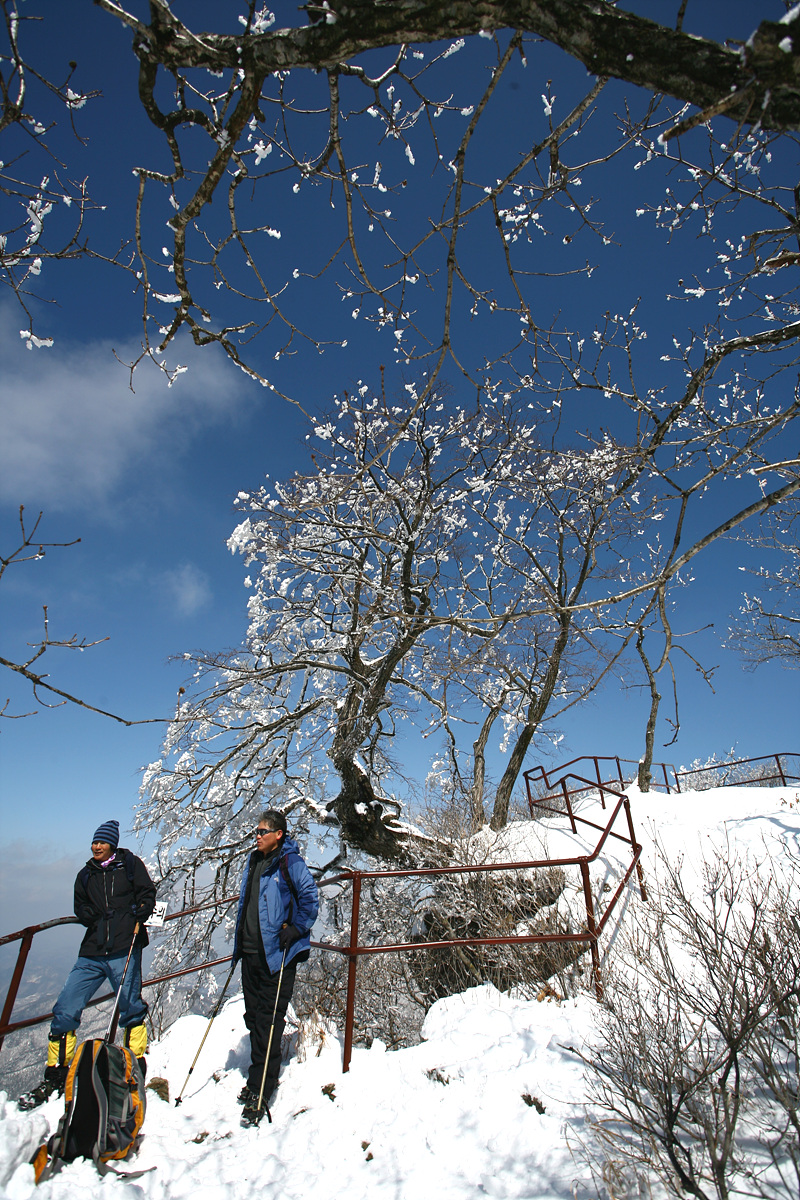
pixel 111 1032
pixel 212 1018
pixel 269 1042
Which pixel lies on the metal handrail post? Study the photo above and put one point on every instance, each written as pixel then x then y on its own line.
pixel 16 979
pixel 780 770
pixel 591 927
pixel 351 973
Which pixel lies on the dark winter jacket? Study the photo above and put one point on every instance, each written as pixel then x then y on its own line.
pixel 109 901
pixel 277 906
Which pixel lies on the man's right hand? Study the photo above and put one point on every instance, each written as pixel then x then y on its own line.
pixel 287 936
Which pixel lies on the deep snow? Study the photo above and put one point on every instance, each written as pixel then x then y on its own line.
pixel 444 1120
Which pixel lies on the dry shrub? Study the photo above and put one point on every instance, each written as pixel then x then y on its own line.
pixel 696 1082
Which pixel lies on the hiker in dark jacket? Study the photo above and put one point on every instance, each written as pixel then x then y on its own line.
pixel 112 892
pixel 278 904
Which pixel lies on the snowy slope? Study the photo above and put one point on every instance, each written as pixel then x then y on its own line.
pixel 445 1120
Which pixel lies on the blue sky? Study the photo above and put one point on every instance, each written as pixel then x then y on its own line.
pixel 147 479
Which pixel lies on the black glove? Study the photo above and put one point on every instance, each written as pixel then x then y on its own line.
pixel 288 935
pixel 87 915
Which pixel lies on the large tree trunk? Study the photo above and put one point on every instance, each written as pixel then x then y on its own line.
pixel 478 816
pixel 364 820
pixel 646 761
pixel 503 797
pixel 536 712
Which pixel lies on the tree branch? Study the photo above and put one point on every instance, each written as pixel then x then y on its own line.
pixel 608 40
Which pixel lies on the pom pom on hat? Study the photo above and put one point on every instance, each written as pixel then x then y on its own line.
pixel 107 832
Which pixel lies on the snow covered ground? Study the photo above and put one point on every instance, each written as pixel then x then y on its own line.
pixel 492 1103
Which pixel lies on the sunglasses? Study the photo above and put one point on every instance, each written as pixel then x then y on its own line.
pixel 261 831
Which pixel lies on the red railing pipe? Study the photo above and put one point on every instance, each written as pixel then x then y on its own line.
pixel 637 849
pixel 784 776
pixel 16 978
pixel 538 773
pixel 568 805
pixel 352 967
pixel 592 928
pixel 25 936
pixel 635 862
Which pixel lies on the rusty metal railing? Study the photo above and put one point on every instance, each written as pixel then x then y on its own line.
pixel 780 773
pixel 25 938
pixel 591 934
pixel 538 774
pixel 595 924
pixel 559 802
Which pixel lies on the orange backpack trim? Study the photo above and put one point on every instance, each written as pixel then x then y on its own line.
pixel 39 1162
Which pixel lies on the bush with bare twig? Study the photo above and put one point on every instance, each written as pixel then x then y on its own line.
pixel 696 1082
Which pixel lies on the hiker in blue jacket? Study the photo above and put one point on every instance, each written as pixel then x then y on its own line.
pixel 278 904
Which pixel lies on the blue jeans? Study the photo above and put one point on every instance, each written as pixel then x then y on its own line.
pixel 83 981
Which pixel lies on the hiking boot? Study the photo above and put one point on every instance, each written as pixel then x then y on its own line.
pixel 246 1095
pixel 251 1113
pixel 54 1080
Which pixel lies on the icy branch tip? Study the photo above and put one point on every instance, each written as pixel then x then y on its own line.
pixel 31 340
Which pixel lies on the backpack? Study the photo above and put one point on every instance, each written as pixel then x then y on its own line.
pixel 105 1105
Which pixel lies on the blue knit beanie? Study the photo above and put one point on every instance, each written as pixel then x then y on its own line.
pixel 107 832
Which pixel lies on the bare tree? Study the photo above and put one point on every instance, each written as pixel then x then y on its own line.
pixel 372 607
pixel 447 571
pixel 671 646
pixel 367 585
pixel 753 84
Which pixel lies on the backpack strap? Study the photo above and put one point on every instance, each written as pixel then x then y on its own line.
pixel 100 1083
pixel 287 877
pixel 128 860
pixel 129 869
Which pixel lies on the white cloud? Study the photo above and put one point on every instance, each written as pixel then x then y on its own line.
pixel 187 589
pixel 72 430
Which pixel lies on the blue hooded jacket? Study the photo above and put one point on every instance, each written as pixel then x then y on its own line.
pixel 277 906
